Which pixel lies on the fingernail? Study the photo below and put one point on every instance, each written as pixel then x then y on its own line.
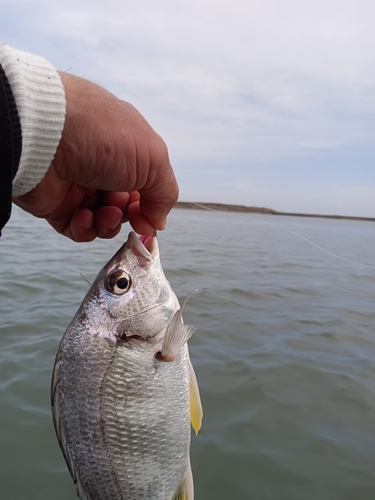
pixel 162 224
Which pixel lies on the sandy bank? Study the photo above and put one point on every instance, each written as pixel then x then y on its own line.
pixel 222 207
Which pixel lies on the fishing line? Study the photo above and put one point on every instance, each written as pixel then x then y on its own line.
pixel 87 281
pixel 289 231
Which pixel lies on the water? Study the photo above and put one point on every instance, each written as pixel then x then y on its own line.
pixel 284 354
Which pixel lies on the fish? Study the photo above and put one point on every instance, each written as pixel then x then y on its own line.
pixel 124 394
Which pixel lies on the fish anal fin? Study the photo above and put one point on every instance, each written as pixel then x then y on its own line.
pixel 196 410
pixel 186 489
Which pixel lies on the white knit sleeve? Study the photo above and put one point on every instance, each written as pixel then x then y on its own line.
pixel 40 101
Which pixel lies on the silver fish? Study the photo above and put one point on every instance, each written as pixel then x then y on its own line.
pixel 123 388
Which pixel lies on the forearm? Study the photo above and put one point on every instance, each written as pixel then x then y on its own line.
pixel 32 114
pixel 89 161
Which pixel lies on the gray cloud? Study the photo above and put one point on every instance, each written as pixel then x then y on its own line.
pixel 233 86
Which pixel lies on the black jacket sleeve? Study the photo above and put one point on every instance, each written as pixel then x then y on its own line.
pixel 10 146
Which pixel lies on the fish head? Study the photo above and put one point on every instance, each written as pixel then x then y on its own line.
pixel 131 299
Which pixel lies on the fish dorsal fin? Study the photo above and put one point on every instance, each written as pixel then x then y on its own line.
pixel 186 489
pixel 196 411
pixel 176 335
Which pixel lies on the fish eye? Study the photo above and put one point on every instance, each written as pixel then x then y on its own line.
pixel 118 282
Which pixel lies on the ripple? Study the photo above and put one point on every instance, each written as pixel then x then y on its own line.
pixel 284 354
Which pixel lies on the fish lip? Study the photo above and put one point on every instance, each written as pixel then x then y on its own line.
pixel 145 245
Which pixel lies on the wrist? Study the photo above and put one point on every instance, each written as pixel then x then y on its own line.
pixel 40 102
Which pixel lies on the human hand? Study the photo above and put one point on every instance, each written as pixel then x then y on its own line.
pixel 110 167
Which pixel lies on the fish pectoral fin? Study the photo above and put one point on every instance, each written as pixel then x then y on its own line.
pixel 186 489
pixel 196 410
pixel 176 335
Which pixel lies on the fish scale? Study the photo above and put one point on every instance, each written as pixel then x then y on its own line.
pixel 127 425
pixel 121 412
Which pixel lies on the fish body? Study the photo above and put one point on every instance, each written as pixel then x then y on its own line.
pixel 123 389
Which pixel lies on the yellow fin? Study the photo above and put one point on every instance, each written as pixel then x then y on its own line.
pixel 196 411
pixel 186 489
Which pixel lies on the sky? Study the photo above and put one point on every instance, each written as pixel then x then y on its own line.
pixel 265 103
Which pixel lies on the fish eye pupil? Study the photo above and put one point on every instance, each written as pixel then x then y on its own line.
pixel 122 283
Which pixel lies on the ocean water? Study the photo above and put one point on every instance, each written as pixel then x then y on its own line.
pixel 284 352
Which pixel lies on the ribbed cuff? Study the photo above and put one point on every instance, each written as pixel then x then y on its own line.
pixel 40 101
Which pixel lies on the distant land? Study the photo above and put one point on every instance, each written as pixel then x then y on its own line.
pixel 223 207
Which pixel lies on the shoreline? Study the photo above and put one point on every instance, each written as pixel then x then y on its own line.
pixel 223 207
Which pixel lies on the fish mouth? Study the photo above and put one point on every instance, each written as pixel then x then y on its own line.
pixel 147 240
pixel 144 247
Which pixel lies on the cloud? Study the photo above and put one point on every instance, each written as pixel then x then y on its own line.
pixel 239 85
